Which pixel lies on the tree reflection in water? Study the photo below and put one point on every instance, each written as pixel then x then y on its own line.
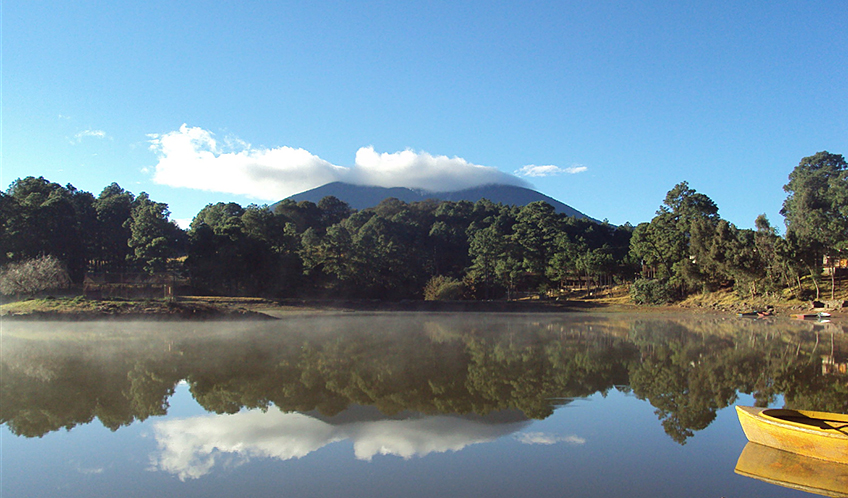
pixel 59 375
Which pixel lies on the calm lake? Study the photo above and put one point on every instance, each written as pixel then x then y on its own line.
pixel 403 404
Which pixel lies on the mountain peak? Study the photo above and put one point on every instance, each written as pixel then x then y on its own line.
pixel 365 196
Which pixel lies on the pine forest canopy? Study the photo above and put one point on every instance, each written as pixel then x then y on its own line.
pixel 451 248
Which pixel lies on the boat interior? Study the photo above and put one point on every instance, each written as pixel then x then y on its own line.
pixel 839 425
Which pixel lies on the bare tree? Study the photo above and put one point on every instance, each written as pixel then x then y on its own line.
pixel 33 275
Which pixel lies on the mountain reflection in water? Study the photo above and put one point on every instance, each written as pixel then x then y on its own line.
pixel 189 447
pixel 457 370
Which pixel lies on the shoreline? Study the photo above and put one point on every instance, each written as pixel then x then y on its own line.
pixel 198 308
pixel 235 308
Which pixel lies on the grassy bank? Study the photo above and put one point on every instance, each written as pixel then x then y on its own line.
pixel 616 299
pixel 211 307
pixel 80 308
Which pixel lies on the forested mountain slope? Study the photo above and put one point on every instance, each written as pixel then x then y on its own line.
pixel 363 197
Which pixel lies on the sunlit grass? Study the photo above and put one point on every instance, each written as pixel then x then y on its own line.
pixel 75 305
pixel 49 304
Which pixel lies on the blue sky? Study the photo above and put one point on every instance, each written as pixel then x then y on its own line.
pixel 249 101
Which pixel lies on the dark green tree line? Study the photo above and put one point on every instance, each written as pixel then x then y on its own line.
pixel 816 212
pixel 116 231
pixel 481 250
pixel 688 247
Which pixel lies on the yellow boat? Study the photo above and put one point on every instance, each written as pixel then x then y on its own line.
pixel 794 471
pixel 814 434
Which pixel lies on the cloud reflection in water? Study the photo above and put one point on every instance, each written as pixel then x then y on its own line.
pixel 189 448
pixel 548 438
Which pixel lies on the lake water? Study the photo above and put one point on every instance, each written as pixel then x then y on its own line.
pixel 403 404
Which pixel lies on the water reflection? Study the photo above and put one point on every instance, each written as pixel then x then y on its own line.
pixel 793 471
pixel 190 447
pixel 306 371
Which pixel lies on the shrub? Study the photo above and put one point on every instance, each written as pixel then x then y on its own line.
pixel 33 275
pixel 650 291
pixel 441 288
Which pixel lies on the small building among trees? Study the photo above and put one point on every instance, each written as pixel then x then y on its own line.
pixel 163 285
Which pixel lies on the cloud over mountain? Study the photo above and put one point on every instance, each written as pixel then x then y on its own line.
pixel 192 157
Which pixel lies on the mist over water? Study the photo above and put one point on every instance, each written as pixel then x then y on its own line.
pixel 193 403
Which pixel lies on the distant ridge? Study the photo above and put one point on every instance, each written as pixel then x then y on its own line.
pixel 363 197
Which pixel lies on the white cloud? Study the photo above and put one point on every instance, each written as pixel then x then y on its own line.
pixel 90 470
pixel 549 170
pixel 547 438
pixel 423 171
pixel 88 134
pixel 191 448
pixel 183 223
pixel 192 158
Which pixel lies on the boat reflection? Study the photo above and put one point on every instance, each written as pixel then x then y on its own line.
pixel 814 434
pixel 794 471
